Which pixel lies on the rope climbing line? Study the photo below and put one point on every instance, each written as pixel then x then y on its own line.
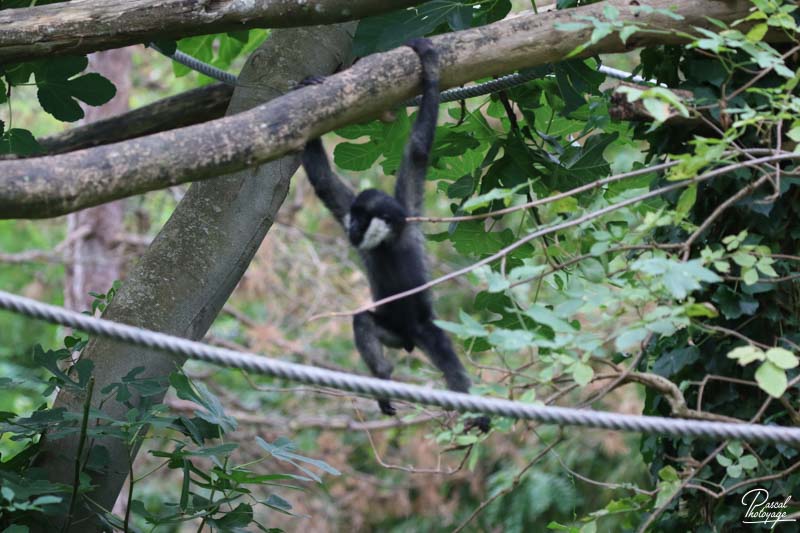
pixel 389 389
pixel 450 95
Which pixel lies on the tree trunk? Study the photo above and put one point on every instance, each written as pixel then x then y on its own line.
pixel 193 265
pixel 94 260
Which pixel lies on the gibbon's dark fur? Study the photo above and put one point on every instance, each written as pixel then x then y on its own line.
pixel 391 249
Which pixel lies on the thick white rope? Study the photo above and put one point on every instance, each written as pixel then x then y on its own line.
pixel 390 389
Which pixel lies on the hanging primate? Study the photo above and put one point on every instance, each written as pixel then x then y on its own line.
pixel 392 249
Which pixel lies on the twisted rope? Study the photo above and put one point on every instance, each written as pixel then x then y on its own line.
pixel 388 389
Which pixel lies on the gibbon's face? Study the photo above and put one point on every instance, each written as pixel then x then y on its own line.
pixel 375 218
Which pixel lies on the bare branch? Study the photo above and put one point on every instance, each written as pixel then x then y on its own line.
pixel 185 109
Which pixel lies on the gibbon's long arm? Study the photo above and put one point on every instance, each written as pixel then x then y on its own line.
pixel 333 192
pixel 410 186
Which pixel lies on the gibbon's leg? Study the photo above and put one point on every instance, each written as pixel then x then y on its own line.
pixel 410 186
pixel 369 346
pixel 437 346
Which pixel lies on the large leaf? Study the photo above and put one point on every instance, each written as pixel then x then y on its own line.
pixel 59 91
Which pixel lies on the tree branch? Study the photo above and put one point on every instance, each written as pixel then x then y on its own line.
pixel 54 185
pixel 187 274
pixel 79 27
pixel 185 109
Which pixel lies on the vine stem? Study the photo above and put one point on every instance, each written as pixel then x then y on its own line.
pixel 76 480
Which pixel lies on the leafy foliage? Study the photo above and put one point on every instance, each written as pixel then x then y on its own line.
pixel 214 488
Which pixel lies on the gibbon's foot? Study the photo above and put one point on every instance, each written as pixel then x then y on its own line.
pixel 422 46
pixel 483 423
pixel 387 408
pixel 309 80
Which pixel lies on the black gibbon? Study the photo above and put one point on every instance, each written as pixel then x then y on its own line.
pixel 391 249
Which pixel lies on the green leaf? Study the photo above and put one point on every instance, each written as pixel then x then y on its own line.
pixel 235 520
pixel 748 462
pixel 668 486
pixel 735 447
pixel 722 266
pixel 744 259
pixel 214 413
pixel 668 473
pixel 496 281
pixel 757 32
pixel 782 358
pixel 279 504
pixel 658 109
pixel 749 276
pixel 55 100
pixel 19 73
pixel 59 96
pixel 601 30
pixel 511 339
pixel 390 30
pixel 20 142
pixel 701 310
pixel 764 265
pixel 92 89
pixel 593 270
pixel 687 200
pixel 466 440
pixel 724 460
pixel 353 156
pixel 61 68
pixel 630 340
pixel 282 450
pixel 626 32
pixel 582 373
pixel 468 328
pixel 734 471
pixel 570 26
pixel 484 200
pixel 547 317
pixel 678 277
pixel 771 379
pixel 747 354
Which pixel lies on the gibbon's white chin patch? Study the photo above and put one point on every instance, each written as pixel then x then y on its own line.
pixel 376 233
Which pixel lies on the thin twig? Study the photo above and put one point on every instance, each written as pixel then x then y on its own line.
pixel 557 227
pixel 760 75
pixel 76 480
pixel 542 201
pixel 514 484
pixel 744 191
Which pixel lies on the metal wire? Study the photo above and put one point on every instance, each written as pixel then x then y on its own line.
pixel 450 95
pixel 389 389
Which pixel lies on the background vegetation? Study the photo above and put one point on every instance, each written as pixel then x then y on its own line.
pixel 678 302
